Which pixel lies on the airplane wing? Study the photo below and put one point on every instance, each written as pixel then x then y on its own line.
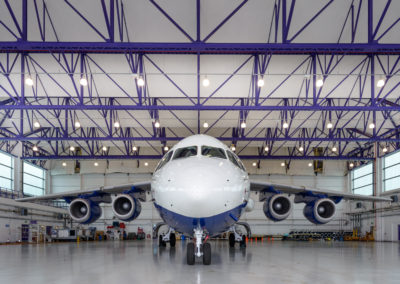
pixel 143 186
pixel 290 189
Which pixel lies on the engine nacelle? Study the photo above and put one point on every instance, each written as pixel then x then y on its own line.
pixel 84 211
pixel 277 207
pixel 126 207
pixel 320 211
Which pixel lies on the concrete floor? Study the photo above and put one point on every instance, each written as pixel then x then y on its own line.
pixel 143 262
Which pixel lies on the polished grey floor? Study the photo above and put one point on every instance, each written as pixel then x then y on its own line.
pixel 144 262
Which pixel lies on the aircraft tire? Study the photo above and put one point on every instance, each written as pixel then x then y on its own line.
pixel 161 243
pixel 172 240
pixel 243 242
pixel 207 254
pixel 190 258
pixel 231 240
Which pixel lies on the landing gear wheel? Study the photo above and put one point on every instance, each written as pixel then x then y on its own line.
pixel 231 240
pixel 190 254
pixel 206 254
pixel 172 240
pixel 243 242
pixel 161 243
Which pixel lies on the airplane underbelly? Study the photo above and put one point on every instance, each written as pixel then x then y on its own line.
pixel 213 208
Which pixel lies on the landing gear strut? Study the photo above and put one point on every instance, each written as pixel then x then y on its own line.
pixel 198 249
pixel 236 237
pixel 168 237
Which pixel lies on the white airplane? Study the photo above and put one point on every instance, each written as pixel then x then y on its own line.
pixel 201 188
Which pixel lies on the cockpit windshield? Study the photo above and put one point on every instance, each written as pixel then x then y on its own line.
pixel 164 160
pixel 213 152
pixel 185 152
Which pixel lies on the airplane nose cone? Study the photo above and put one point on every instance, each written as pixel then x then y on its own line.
pixel 196 184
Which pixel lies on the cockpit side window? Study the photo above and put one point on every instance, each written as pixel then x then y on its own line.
pixel 238 161
pixel 213 152
pixel 185 152
pixel 164 160
pixel 233 159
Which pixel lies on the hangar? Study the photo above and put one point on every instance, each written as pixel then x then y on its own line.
pixel 302 95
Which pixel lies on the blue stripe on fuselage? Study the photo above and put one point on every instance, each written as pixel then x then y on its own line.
pixel 213 225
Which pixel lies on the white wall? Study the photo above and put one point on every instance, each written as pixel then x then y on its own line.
pixel 11 218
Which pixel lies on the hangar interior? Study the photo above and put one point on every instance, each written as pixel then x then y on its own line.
pixel 94 93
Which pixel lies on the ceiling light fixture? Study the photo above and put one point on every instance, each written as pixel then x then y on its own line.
pixel 243 125
pixel 285 125
pixel 72 148
pixel 233 148
pixel 266 149
pixel 260 83
pixel 166 148
pixel 157 124
pixel 36 124
pixel 35 148
pixel 140 82
pixel 77 124
pixel 310 164
pixel 282 164
pixel 116 124
pixel 134 148
pixel 96 164
pixel 29 81
pixel 329 125
pixel 206 82
pixel 334 149
pixel 254 164
pixel 301 149
pixel 83 81
pixel 64 164
pixel 385 149
pixel 380 83
pixel 104 148
pixel 371 125
pixel 351 165
pixel 146 164
pixel 205 124
pixel 319 83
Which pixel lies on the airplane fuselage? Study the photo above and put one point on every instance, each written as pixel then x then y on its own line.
pixel 203 189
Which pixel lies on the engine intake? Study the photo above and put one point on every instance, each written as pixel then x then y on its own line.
pixel 126 207
pixel 320 211
pixel 84 211
pixel 277 207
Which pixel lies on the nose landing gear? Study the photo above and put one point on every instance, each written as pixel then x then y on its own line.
pixel 168 237
pixel 198 249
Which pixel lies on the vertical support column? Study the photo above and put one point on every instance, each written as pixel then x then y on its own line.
pixel 198 92
pixel 22 101
pixel 370 21
pixel 284 27
pixel 112 37
pixel 314 78
pixel 25 20
pixel 82 67
pixel 141 89
pixel 198 20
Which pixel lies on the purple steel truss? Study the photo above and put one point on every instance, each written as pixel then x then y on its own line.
pixel 75 58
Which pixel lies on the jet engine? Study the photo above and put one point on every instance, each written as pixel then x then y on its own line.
pixel 126 207
pixel 320 211
pixel 277 207
pixel 84 211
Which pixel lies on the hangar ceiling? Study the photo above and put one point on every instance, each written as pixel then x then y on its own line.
pixel 124 79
